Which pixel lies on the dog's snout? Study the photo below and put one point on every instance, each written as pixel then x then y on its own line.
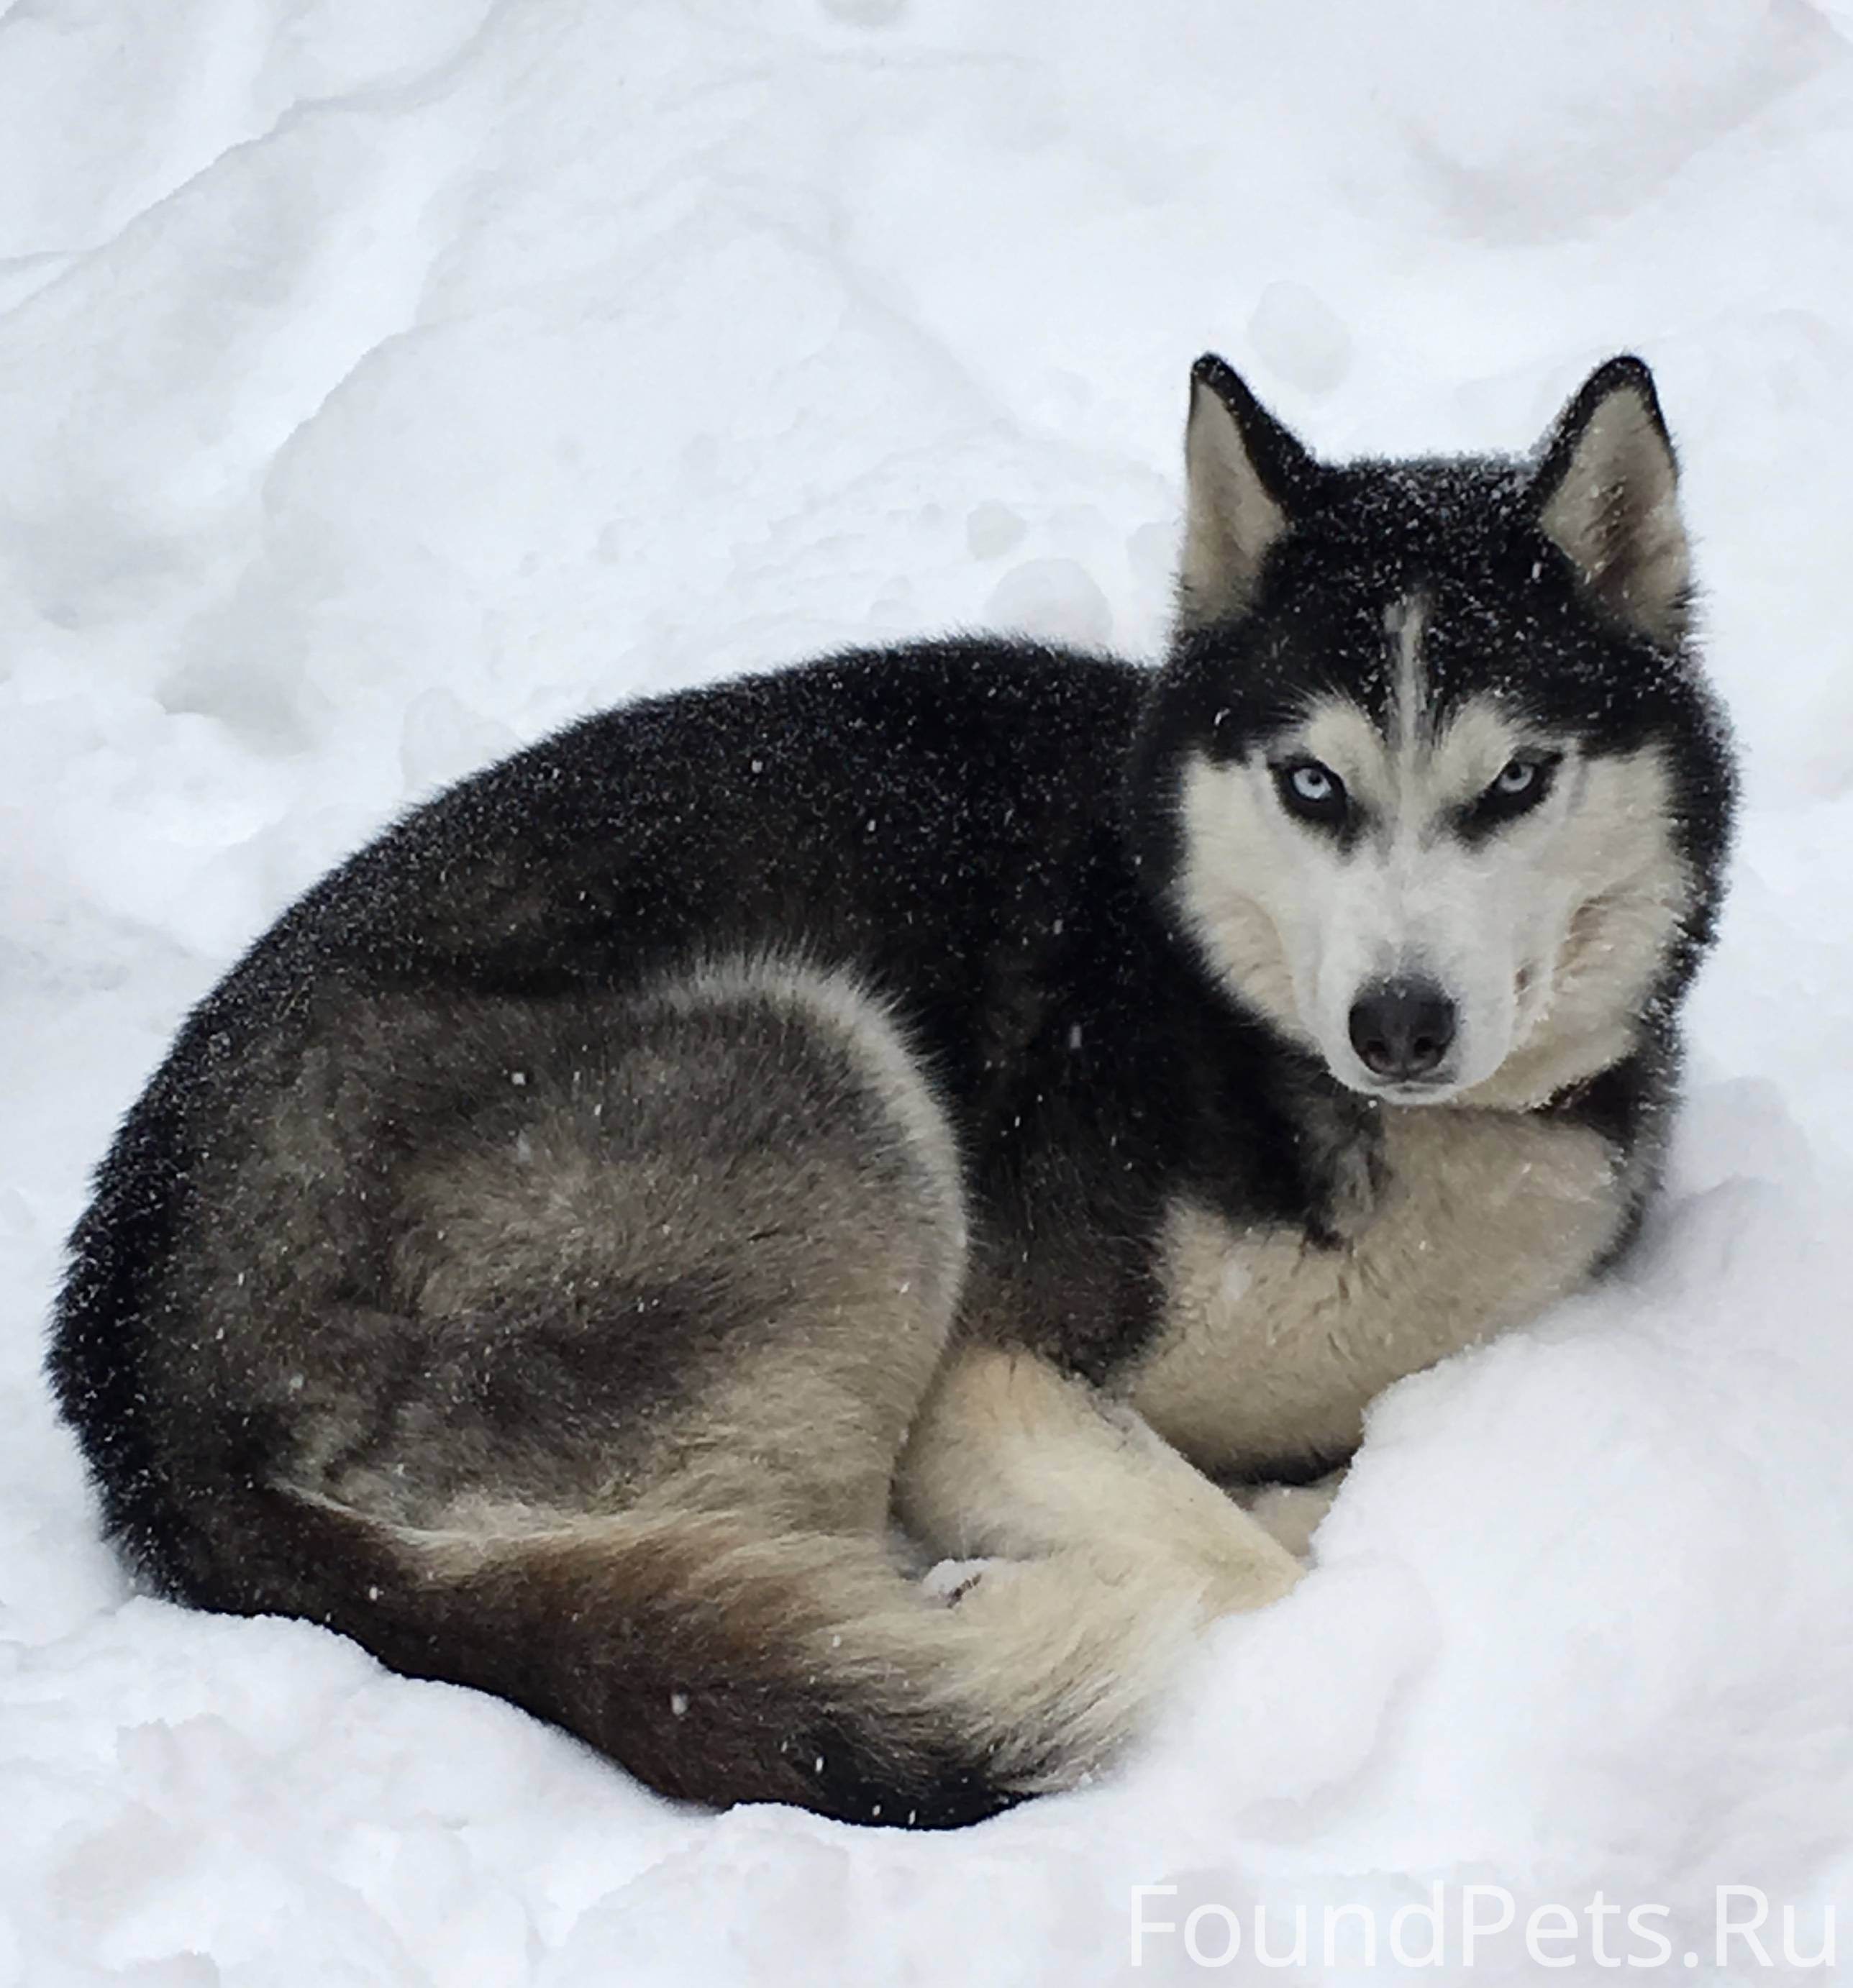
pixel 1402 1030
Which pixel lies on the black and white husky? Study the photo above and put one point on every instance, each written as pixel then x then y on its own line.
pixel 971 1100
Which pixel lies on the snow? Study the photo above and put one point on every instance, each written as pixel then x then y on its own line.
pixel 380 387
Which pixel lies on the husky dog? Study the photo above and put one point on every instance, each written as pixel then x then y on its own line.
pixel 971 1094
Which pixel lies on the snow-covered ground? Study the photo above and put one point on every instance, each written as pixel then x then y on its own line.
pixel 382 385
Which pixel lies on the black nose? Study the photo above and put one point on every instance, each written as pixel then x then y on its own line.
pixel 1402 1029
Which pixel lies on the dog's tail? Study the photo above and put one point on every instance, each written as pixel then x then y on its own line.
pixel 724 1665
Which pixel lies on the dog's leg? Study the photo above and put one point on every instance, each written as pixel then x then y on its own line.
pixel 1011 1458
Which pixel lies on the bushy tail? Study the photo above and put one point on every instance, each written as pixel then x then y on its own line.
pixel 725 1667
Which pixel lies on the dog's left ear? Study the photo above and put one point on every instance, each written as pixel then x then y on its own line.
pixel 1243 471
pixel 1606 493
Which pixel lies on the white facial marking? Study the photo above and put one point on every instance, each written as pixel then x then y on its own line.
pixel 1402 623
pixel 1545 933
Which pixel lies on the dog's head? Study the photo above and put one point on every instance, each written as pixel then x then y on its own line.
pixel 1430 780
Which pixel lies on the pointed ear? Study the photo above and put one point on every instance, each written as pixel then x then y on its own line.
pixel 1243 472
pixel 1606 492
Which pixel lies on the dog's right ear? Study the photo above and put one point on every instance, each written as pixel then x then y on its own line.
pixel 1241 471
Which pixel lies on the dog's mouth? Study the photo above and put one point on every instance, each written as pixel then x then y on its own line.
pixel 1434 1085
pixel 1435 1090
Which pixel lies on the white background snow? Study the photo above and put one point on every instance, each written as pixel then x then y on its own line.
pixel 382 385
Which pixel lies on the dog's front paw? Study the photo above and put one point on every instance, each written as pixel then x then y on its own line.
pixel 1254 1579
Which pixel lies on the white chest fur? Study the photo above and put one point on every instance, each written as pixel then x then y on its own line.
pixel 1273 1346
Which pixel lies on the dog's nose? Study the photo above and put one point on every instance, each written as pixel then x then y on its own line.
pixel 1402 1029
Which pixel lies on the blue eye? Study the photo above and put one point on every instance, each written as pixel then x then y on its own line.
pixel 1519 786
pixel 1311 790
pixel 1517 778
